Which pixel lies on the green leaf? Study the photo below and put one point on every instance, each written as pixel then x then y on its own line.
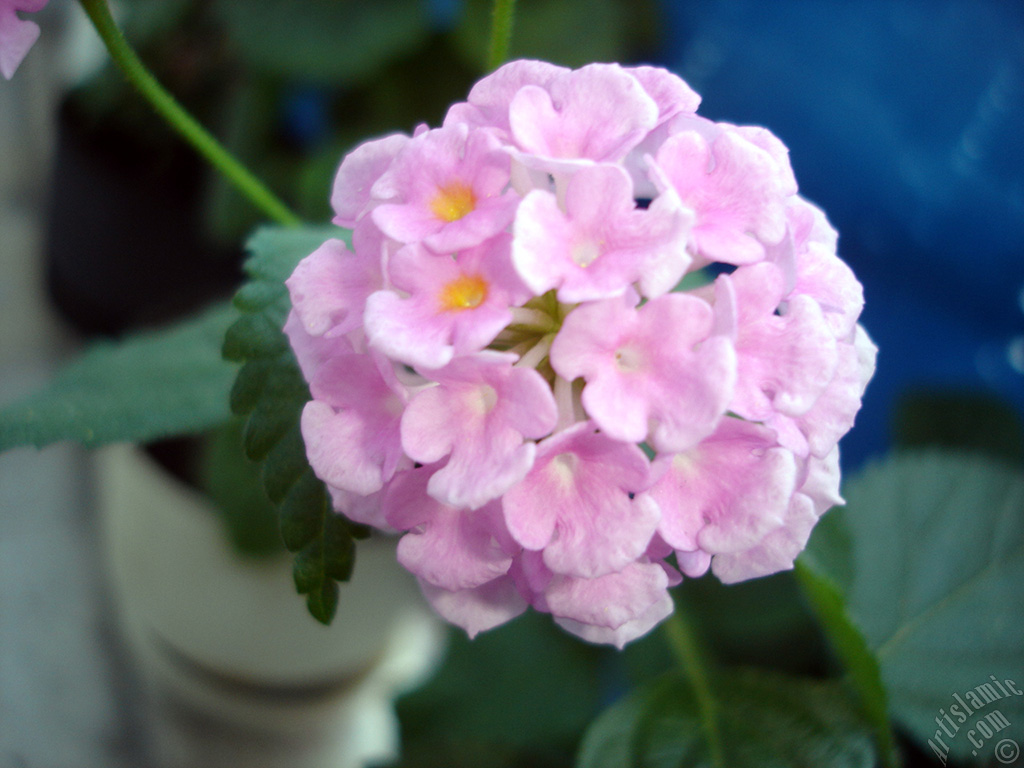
pixel 852 649
pixel 767 720
pixel 959 419
pixel 271 392
pixel 233 485
pixel 937 547
pixel 517 695
pixel 255 336
pixel 147 386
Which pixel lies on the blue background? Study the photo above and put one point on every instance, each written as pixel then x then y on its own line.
pixel 904 122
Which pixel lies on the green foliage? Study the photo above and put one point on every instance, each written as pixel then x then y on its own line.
pixel 766 720
pixel 936 560
pixel 614 28
pixel 966 420
pixel 233 484
pixel 761 622
pixel 851 647
pixel 151 385
pixel 518 695
pixel 321 41
pixel 270 392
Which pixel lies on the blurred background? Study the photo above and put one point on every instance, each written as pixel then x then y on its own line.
pixel 903 119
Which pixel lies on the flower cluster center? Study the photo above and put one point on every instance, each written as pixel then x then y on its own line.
pixel 453 201
pixel 464 292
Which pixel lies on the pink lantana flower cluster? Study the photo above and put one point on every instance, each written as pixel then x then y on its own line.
pixel 524 364
pixel 17 35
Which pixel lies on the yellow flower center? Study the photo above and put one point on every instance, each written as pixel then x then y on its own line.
pixel 453 201
pixel 464 292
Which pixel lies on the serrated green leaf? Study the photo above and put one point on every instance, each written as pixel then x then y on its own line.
pixel 308 567
pixel 249 385
pixel 148 386
pixel 255 335
pixel 938 560
pixel 284 465
pixel 258 295
pixel 339 548
pixel 323 602
pixel 767 720
pixel 271 391
pixel 276 251
pixel 275 413
pixel 300 513
pixel 232 483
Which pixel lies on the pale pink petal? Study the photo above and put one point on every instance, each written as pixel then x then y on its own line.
pixel 357 174
pixel 598 112
pixel 351 427
pixel 670 92
pixel 601 244
pixel 329 287
pixel 17 35
pixel 582 504
pixel 481 415
pixel 311 352
pixel 450 548
pixel 655 373
pixel 786 354
pixel 451 306
pixel 726 493
pixel 479 609
pixel 448 188
pixel 489 100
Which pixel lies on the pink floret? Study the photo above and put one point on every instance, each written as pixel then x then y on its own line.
pixel 525 367
pixel 17 35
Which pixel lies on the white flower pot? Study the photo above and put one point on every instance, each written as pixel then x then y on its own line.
pixel 235 670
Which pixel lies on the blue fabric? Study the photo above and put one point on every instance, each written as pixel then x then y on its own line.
pixel 904 122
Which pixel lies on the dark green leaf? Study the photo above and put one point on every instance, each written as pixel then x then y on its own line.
pixel 938 563
pixel 308 567
pixel 857 658
pixel 151 385
pixel 284 465
pixel 274 413
pixel 767 720
pixel 339 548
pixel 271 392
pixel 323 601
pixel 300 514
pixel 275 251
pixel 761 622
pixel 255 336
pixel 959 419
pixel 518 695
pixel 258 295
pixel 250 384
pixel 233 485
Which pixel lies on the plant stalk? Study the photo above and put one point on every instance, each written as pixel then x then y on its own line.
pixel 685 647
pixel 501 33
pixel 180 120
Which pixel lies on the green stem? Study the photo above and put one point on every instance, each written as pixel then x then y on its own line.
pixel 166 105
pixel 682 641
pixel 501 33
